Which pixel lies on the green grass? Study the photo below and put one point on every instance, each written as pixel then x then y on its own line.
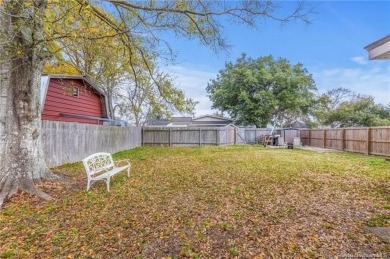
pixel 379 221
pixel 239 201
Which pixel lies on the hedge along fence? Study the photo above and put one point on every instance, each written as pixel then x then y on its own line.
pixel 68 142
pixel 372 140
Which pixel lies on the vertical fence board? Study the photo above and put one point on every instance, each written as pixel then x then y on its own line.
pixel 68 142
pixel 349 139
pixel 373 140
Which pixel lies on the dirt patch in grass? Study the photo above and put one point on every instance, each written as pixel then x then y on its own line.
pixel 210 202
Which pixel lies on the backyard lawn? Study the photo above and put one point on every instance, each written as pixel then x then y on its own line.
pixel 209 202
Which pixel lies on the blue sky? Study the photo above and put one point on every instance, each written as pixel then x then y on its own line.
pixel 331 48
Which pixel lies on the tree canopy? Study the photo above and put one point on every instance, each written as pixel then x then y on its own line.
pixel 341 107
pixel 256 91
pixel 131 80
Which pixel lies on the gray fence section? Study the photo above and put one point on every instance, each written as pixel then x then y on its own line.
pixel 66 142
pixel 252 135
pixel 288 134
pixel 163 136
pixel 230 135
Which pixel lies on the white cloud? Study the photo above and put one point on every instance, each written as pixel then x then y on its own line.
pixel 193 81
pixel 360 60
pixel 373 80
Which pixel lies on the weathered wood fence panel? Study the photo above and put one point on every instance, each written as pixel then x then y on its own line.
pixel 373 140
pixel 288 134
pixel 356 140
pixel 240 136
pixel 163 136
pixel 252 134
pixel 66 142
pixel 334 139
pixel 312 137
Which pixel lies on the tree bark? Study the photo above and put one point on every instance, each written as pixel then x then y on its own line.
pixel 22 158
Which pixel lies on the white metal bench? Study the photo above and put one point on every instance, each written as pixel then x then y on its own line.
pixel 100 166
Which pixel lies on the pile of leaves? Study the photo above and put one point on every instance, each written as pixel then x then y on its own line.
pixel 209 202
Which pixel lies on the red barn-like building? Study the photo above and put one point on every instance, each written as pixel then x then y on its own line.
pixel 72 99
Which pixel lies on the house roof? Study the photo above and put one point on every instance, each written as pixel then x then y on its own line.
pixel 157 122
pixel 45 79
pixel 216 118
pixel 181 119
pixel 45 82
pixel 201 121
pixel 379 49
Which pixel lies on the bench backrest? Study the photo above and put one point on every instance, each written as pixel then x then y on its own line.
pixel 98 162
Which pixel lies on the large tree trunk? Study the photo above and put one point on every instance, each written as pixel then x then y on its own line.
pixel 22 158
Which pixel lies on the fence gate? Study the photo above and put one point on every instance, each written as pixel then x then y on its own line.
pixel 240 136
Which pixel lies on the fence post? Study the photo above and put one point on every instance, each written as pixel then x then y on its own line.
pixel 226 136
pixel 324 138
pixel 235 136
pixel 309 137
pixel 217 137
pixel 142 136
pixel 200 137
pixel 343 139
pixel 368 140
pixel 170 137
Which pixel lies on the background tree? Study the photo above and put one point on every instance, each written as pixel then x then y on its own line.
pixel 24 50
pixel 256 91
pixel 328 102
pixel 150 100
pixel 341 107
pixel 88 44
pixel 131 81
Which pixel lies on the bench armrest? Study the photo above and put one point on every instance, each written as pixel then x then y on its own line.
pixel 123 162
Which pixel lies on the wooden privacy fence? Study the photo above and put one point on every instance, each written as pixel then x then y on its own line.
pixel 229 135
pixel 66 142
pixel 163 136
pixel 372 140
pixel 252 134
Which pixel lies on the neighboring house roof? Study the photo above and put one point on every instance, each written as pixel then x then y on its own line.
pixel 298 125
pixel 210 120
pixel 181 119
pixel 380 49
pixel 202 121
pixel 45 79
pixel 211 117
pixel 157 122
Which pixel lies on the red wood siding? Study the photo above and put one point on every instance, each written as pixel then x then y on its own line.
pixel 60 99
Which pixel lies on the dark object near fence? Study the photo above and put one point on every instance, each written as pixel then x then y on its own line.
pixel 290 145
pixel 266 140
pixel 275 141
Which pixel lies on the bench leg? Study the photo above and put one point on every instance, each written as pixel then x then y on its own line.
pixel 88 185
pixel 108 184
pixel 128 171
